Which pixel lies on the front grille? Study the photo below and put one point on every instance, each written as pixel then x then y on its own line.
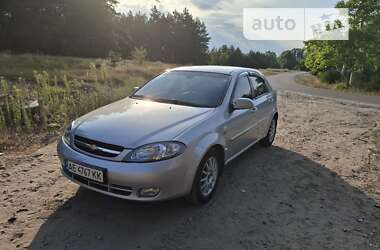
pixel 96 147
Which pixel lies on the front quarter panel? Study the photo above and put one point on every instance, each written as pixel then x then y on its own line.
pixel 206 143
pixel 199 149
pixel 199 139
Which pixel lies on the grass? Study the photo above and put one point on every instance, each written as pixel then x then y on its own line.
pixel 13 67
pixel 63 89
pixel 269 72
pixel 313 81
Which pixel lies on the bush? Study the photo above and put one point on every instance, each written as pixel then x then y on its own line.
pixel 330 76
pixel 139 54
pixel 368 81
pixel 341 86
pixel 114 57
pixel 54 104
pixel 375 81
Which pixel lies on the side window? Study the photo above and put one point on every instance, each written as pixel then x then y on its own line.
pixel 243 89
pixel 259 86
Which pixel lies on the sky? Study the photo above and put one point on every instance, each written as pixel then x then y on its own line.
pixel 223 18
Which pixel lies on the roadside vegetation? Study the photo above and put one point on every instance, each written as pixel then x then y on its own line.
pixel 41 94
pixel 352 64
pixel 270 71
pixel 314 81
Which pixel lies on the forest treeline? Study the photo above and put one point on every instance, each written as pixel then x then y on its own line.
pixel 229 55
pixel 93 28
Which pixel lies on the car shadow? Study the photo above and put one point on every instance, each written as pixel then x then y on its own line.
pixel 268 198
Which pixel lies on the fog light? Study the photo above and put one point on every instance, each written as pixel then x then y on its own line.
pixel 148 192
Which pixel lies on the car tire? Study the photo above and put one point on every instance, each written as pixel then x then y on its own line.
pixel 267 141
pixel 206 168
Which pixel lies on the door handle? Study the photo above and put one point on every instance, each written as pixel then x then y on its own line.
pixel 254 109
pixel 270 99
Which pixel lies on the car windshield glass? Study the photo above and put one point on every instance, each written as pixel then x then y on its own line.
pixel 198 89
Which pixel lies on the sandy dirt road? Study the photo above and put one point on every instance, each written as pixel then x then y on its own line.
pixel 316 188
pixel 285 81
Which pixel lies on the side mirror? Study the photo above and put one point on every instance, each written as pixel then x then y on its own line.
pixel 242 103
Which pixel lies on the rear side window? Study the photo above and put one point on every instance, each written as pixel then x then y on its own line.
pixel 259 86
pixel 243 89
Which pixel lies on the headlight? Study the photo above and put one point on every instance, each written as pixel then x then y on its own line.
pixel 156 152
pixel 67 135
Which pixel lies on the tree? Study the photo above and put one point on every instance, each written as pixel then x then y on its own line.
pixel 71 27
pixel 288 60
pixel 158 34
pixel 360 54
pixel 92 28
pixel 229 55
pixel 320 56
pixel 189 38
pixel 237 58
pixel 132 32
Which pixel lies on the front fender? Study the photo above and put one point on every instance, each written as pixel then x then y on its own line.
pixel 200 149
pixel 206 143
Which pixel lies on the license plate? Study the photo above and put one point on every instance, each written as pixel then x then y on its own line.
pixel 86 172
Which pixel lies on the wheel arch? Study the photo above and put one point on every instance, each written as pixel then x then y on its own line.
pixel 221 155
pixel 219 148
pixel 275 116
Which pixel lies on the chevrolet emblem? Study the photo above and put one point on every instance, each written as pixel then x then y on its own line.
pixel 93 147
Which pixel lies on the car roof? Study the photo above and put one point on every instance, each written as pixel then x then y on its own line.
pixel 227 70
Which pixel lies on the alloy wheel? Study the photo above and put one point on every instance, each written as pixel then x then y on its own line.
pixel 209 176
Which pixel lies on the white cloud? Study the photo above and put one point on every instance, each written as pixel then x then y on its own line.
pixel 210 4
pixel 223 18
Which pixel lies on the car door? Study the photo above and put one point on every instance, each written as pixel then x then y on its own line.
pixel 240 125
pixel 264 101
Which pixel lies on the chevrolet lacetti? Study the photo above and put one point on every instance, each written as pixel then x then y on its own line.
pixel 172 136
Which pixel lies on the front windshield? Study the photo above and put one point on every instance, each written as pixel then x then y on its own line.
pixel 198 89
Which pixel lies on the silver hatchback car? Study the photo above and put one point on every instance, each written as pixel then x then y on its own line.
pixel 172 136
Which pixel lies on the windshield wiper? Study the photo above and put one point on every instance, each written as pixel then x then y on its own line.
pixel 171 101
pixel 139 97
pixel 177 102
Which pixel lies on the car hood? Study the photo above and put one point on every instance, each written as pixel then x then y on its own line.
pixel 131 123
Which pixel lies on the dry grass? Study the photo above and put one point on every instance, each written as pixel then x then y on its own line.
pixel 313 81
pixel 64 88
pixel 13 67
pixel 270 72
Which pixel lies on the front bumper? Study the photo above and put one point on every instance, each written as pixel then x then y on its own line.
pixel 124 180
